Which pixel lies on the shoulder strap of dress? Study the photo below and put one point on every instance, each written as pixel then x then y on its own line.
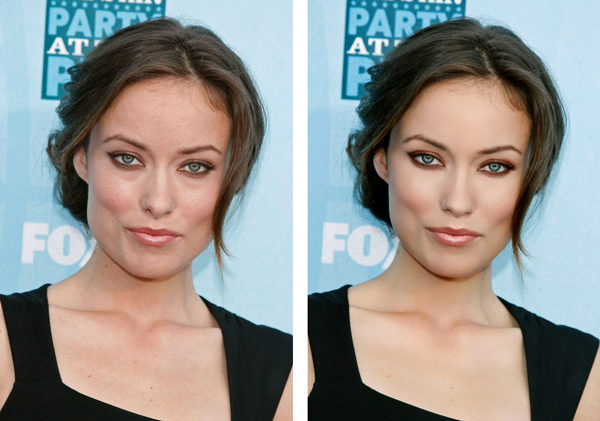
pixel 259 360
pixel 28 327
pixel 559 361
pixel 330 337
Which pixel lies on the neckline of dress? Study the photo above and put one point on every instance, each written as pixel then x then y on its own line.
pixel 211 308
pixel 512 309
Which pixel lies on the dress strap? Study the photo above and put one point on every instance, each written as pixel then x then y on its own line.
pixel 559 361
pixel 259 360
pixel 330 337
pixel 28 327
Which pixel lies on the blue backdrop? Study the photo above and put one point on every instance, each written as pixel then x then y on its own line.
pixel 40 243
pixel 346 246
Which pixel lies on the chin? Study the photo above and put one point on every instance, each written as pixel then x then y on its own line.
pixel 149 265
pixel 452 268
pixel 155 270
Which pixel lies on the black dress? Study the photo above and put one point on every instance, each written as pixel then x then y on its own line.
pixel 559 360
pixel 259 360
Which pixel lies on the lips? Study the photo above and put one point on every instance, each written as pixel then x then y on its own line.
pixel 153 237
pixel 453 236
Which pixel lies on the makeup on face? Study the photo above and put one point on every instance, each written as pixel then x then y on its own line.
pixel 453 236
pixel 454 166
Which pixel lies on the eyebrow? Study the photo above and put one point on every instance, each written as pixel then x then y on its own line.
pixel 180 151
pixel 443 147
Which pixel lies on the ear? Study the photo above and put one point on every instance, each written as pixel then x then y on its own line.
pixel 80 164
pixel 380 163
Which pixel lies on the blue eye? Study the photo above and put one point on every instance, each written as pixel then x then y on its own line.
pixel 426 159
pixel 125 159
pixel 196 167
pixel 495 167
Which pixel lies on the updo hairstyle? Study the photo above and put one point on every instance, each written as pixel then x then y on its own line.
pixel 154 49
pixel 453 50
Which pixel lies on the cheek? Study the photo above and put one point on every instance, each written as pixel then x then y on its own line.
pixel 199 205
pixel 498 204
pixel 109 198
pixel 499 214
pixel 412 194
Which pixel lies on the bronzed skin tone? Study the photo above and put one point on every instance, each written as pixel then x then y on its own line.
pixel 129 328
pixel 429 331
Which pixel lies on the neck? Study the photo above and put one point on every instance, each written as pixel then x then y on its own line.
pixel 407 286
pixel 103 285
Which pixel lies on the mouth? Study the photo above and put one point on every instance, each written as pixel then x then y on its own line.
pixel 153 237
pixel 453 236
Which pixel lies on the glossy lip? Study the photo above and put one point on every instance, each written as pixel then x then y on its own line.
pixel 153 237
pixel 453 236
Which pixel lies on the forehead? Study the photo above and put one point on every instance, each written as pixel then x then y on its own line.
pixel 166 113
pixel 466 115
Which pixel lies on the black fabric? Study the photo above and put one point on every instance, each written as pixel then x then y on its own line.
pixel 259 360
pixel 559 360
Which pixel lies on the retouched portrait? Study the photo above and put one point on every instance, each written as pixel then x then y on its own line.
pixel 451 256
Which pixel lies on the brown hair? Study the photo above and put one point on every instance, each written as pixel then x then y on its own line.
pixel 458 49
pixel 155 49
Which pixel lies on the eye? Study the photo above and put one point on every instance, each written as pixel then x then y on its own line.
pixel 496 168
pixel 426 159
pixel 125 159
pixel 196 167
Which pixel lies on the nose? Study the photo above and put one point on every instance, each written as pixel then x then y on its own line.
pixel 457 196
pixel 158 195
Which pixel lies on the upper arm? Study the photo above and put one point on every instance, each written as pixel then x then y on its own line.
pixel 285 408
pixel 7 372
pixel 311 370
pixel 589 405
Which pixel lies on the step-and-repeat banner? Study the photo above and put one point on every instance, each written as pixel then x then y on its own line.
pixel 347 246
pixel 40 243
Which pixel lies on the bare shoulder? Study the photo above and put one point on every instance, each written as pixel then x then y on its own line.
pixel 589 405
pixel 285 407
pixel 7 372
pixel 368 295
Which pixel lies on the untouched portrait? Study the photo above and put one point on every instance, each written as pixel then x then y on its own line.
pixel 458 134
pixel 159 140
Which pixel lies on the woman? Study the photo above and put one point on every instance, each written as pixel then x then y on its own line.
pixel 161 126
pixel 461 127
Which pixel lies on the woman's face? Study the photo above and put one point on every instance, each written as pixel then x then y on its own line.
pixel 455 165
pixel 154 166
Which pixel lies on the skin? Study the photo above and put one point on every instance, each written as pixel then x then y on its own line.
pixel 129 328
pixel 429 331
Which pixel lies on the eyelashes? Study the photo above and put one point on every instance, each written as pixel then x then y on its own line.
pixel 196 167
pixel 496 167
pixel 431 161
pixel 426 159
pixel 126 160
